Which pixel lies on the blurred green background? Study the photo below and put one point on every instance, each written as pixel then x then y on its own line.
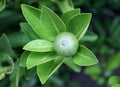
pixel 104 41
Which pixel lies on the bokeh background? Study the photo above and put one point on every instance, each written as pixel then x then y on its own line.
pixel 104 41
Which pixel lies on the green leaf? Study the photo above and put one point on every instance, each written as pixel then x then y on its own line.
pixel 9 20
pixel 89 36
pixel 35 59
pixel 23 58
pixel 28 75
pixel 6 46
pixel 93 70
pixel 79 2
pixel 2 4
pixel 78 24
pixel 114 24
pixel 114 80
pixel 15 77
pixel 64 5
pixel 114 62
pixel 51 23
pixel 39 46
pixel 116 85
pixel 18 39
pixel 70 14
pixel 45 70
pixel 28 31
pixel 84 57
pixel 69 63
pixel 32 15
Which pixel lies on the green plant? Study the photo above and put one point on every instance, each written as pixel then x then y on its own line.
pixel 102 38
pixel 114 81
pixel 52 31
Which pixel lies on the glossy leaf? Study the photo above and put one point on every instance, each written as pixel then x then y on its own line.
pixel 32 15
pixel 28 31
pixel 78 25
pixel 36 58
pixel 51 23
pixel 68 15
pixel 39 46
pixel 45 70
pixel 70 64
pixel 23 58
pixel 84 57
pixel 2 4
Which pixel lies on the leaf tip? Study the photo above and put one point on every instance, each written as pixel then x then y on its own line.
pixel 41 80
pixel 96 61
pixel 24 48
pixel 28 66
pixel 23 5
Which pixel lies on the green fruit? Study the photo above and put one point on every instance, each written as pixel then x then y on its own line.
pixel 66 44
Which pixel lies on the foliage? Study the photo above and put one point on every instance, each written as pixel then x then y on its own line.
pixel 47 26
pixel 25 45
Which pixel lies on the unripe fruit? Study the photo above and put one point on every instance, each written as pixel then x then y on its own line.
pixel 66 44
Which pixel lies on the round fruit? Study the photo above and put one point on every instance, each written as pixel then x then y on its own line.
pixel 66 44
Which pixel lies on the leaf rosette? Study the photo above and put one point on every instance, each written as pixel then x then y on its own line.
pixel 58 41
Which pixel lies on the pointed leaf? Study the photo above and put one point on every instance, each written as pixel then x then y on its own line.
pixel 35 59
pixel 23 58
pixel 68 15
pixel 28 31
pixel 78 25
pixel 45 70
pixel 32 15
pixel 39 46
pixel 84 57
pixel 5 46
pixel 51 23
pixel 69 63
